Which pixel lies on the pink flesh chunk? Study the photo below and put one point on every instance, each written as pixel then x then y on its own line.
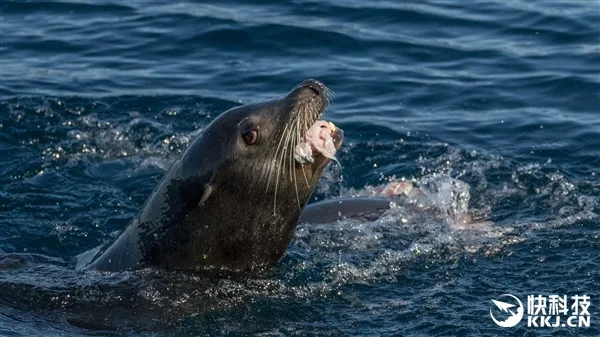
pixel 316 140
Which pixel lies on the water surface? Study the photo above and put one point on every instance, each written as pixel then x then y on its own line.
pixel 492 106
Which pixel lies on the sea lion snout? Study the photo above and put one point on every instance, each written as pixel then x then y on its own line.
pixel 313 90
pixel 318 88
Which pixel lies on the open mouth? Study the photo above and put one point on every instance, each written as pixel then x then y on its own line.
pixel 322 139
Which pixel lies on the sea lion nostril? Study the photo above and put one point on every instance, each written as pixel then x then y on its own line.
pixel 315 90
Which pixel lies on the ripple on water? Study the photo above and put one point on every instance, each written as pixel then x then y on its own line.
pixel 489 110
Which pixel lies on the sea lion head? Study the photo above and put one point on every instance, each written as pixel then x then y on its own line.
pixel 244 184
pixel 269 136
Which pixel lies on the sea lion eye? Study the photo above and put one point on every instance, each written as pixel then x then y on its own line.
pixel 250 137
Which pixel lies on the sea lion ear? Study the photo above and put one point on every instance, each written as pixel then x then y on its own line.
pixel 208 189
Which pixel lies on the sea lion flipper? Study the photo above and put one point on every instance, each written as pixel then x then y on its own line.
pixel 337 209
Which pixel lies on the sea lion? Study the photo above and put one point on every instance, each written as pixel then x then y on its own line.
pixel 233 199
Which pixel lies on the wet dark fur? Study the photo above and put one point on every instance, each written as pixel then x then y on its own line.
pixel 227 205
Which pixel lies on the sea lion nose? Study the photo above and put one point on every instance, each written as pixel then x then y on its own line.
pixel 317 87
pixel 318 84
pixel 310 90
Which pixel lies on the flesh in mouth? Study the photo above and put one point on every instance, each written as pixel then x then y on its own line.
pixel 317 140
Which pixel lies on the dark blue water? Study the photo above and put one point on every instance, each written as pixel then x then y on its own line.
pixel 492 106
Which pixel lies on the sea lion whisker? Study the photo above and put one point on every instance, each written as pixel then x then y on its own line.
pixel 282 163
pixel 277 151
pixel 289 141
pixel 279 168
pixel 302 138
pixel 292 160
pixel 304 173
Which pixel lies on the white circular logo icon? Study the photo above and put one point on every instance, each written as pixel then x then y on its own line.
pixel 512 318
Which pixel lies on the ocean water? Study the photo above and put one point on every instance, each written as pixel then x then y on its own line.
pixel 491 108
